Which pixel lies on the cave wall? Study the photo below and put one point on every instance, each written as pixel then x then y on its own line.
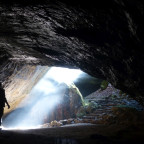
pixel 104 39
pixel 20 83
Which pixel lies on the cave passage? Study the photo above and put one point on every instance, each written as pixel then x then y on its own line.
pixel 44 96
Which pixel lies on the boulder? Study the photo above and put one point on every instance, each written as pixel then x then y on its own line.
pixel 69 104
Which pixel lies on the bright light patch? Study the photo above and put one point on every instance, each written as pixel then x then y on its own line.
pixel 20 128
pixel 64 74
pixel 44 96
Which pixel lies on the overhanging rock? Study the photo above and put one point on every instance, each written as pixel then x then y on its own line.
pixel 104 39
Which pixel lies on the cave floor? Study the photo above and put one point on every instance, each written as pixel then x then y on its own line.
pixel 76 134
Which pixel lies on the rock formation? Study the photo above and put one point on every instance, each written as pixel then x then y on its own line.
pixel 42 111
pixel 71 100
pixel 104 39
pixel 21 82
pixel 111 106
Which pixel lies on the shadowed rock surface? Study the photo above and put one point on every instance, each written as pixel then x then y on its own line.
pixel 82 134
pixel 104 39
pixel 111 106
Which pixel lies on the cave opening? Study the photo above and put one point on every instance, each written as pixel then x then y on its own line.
pixel 102 38
pixel 57 95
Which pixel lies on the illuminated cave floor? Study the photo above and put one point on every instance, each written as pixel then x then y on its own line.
pixel 124 126
pixel 76 134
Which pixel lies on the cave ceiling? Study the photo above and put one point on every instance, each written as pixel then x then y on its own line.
pixel 104 39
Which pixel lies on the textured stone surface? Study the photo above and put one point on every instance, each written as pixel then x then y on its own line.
pixel 104 39
pixel 110 106
pixel 21 82
pixel 68 105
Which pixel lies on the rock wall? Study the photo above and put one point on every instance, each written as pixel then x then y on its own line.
pixel 104 39
pixel 20 83
pixel 110 107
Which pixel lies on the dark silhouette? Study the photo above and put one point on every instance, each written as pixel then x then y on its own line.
pixel 3 100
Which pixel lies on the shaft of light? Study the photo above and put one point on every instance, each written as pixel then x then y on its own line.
pixel 45 95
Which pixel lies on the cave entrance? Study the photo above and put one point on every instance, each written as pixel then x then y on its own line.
pixel 56 96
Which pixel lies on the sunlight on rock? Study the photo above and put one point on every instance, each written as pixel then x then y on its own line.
pixel 46 96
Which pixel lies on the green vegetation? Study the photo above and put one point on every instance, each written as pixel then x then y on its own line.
pixel 104 85
pixel 81 112
pixel 87 108
pixel 85 102
pixel 78 92
pixel 113 96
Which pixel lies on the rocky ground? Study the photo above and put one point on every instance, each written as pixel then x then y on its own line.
pixel 109 116
pixel 112 106
pixel 78 134
pixel 109 106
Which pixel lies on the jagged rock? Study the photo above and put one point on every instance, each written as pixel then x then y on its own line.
pixel 123 116
pixel 64 122
pixel 109 106
pixel 103 38
pixel 46 125
pixel 55 124
pixel 70 121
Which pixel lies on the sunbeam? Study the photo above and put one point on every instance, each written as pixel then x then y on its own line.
pixel 45 95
